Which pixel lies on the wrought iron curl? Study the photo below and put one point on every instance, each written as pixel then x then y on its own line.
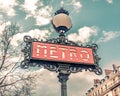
pixel 27 39
pixel 26 63
pixel 51 67
pixel 91 69
pixel 75 69
pixel 27 51
pixel 62 40
pixel 98 70
pixel 96 57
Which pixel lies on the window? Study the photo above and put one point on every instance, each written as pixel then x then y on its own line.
pixel 113 80
pixel 106 87
pixel 98 92
pixel 95 94
pixel 101 89
pixel 118 76
pixel 115 91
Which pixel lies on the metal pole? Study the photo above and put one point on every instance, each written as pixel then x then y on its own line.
pixel 63 80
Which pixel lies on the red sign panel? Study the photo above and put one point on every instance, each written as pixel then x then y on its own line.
pixel 62 53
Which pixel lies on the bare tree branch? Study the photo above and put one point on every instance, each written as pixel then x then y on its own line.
pixel 7 68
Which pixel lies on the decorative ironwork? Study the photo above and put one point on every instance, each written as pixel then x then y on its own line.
pixel 64 70
pixel 62 11
pixel 52 66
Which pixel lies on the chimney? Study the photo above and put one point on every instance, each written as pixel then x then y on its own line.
pixel 114 68
pixel 107 72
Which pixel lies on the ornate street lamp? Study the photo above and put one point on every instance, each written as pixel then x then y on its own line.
pixel 60 54
pixel 61 21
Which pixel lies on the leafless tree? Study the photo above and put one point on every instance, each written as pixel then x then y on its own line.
pixel 12 81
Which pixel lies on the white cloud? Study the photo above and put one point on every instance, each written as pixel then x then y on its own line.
pixel 15 59
pixel 80 82
pixel 109 65
pixel 41 15
pixel 107 36
pixel 7 6
pixel 30 6
pixel 42 20
pixel 77 5
pixel 1 16
pixel 110 1
pixel 62 3
pixel 44 76
pixel 2 26
pixel 95 0
pixel 83 34
pixel 36 33
pixel 52 83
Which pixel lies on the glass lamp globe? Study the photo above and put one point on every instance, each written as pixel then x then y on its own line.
pixel 61 21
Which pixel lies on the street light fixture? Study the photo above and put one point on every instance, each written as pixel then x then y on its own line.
pixel 61 21
pixel 60 54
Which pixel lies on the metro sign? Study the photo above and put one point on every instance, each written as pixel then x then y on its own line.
pixel 62 53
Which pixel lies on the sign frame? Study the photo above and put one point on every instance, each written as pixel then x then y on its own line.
pixel 56 66
pixel 60 61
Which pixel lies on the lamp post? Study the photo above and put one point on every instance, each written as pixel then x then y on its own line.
pixel 60 54
pixel 62 23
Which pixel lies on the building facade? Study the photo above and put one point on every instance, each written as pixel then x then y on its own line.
pixel 108 86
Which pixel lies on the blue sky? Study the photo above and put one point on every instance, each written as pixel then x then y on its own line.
pixel 94 21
